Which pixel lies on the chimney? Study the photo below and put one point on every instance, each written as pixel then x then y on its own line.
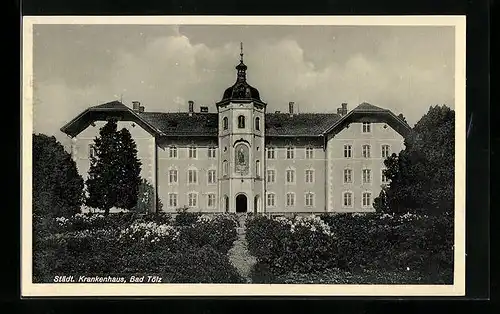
pixel 339 111
pixel 190 107
pixel 344 109
pixel 136 106
pixel 203 109
pixel 141 109
pixel 290 107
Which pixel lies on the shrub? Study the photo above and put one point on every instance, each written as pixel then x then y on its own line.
pixel 300 244
pixel 218 231
pixel 185 218
pixel 394 242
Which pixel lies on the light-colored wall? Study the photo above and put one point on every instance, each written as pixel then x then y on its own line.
pixel 182 163
pixel 354 136
pixel 144 141
pixel 300 164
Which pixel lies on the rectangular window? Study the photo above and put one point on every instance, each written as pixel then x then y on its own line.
pixel 271 176
pixel 309 153
pixel 290 199
pixel 211 200
pixel 309 176
pixel 211 177
pixel 271 153
pixel 367 176
pixel 366 151
pixel 347 199
pixel 290 176
pixel 92 151
pixel 211 152
pixel 192 176
pixel 290 153
pixel 257 168
pixel 384 178
pixel 192 152
pixel 367 199
pixel 172 152
pixel 270 200
pixel 172 200
pixel 172 176
pixel 367 127
pixel 385 151
pixel 347 176
pixel 309 199
pixel 225 168
pixel 192 199
pixel 347 151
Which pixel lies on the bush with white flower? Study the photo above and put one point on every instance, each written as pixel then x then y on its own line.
pixel 150 233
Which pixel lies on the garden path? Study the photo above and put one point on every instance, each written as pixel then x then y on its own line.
pixel 239 255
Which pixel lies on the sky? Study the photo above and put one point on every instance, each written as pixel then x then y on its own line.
pixel 402 68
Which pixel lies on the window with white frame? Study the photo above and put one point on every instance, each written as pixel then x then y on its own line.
pixel 290 176
pixel 192 176
pixel 271 199
pixel 241 122
pixel 367 199
pixel 290 199
pixel 211 176
pixel 309 199
pixel 309 176
pixel 192 199
pixel 172 176
pixel 383 177
pixel 271 175
pixel 271 153
pixel 225 168
pixel 385 151
pixel 92 152
pixel 257 168
pixel 347 199
pixel 172 199
pixel 347 151
pixel 225 123
pixel 290 153
pixel 192 152
pixel 257 124
pixel 347 175
pixel 367 127
pixel 172 152
pixel 309 153
pixel 211 152
pixel 367 176
pixel 366 151
pixel 210 200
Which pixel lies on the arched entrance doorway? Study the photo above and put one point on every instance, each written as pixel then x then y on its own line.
pixel 241 203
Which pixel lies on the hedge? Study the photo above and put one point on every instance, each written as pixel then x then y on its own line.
pixel 351 242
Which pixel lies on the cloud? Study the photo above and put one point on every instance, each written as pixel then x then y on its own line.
pixel 169 70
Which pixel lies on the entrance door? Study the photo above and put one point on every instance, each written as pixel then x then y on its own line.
pixel 241 203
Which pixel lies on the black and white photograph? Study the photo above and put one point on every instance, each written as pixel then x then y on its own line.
pixel 243 156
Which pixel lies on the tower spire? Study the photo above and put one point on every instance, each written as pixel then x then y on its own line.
pixel 241 52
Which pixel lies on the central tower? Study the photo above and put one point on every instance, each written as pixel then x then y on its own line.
pixel 241 145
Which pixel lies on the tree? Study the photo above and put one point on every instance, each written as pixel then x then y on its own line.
pixel 57 186
pixel 114 170
pixel 146 198
pixel 422 175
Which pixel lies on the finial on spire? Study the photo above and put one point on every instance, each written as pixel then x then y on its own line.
pixel 241 51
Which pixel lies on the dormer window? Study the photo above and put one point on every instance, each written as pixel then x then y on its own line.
pixel 257 124
pixel 241 122
pixel 224 123
pixel 366 127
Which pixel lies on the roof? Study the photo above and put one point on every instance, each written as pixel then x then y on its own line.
pixel 183 124
pixel 206 124
pixel 303 124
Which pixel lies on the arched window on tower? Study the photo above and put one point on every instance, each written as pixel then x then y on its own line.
pixel 241 122
pixel 257 123
pixel 224 123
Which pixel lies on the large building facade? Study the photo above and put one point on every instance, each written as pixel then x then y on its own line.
pixel 245 159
